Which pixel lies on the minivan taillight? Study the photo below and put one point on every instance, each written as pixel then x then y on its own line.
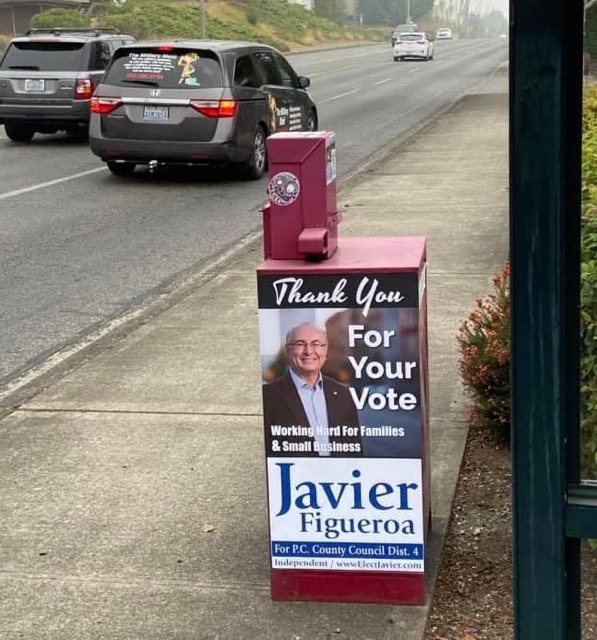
pixel 216 108
pixel 104 106
pixel 84 87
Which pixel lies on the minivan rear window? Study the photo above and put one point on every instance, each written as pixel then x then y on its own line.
pixel 405 28
pixel 167 68
pixel 43 56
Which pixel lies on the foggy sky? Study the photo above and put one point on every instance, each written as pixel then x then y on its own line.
pixel 486 6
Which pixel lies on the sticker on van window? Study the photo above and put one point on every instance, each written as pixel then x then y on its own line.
pixel 148 66
pixel 187 74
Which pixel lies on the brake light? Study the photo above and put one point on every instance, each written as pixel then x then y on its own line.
pixel 104 106
pixel 216 108
pixel 165 48
pixel 84 88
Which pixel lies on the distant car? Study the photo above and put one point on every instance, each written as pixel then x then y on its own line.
pixel 413 45
pixel 196 102
pixel 403 28
pixel 47 78
pixel 444 33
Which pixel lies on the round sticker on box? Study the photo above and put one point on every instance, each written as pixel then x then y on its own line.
pixel 283 188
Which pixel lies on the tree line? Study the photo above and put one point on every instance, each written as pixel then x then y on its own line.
pixel 393 12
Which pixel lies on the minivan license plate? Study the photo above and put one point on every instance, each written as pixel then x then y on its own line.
pixel 156 113
pixel 34 85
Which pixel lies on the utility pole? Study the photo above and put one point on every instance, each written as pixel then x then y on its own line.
pixel 586 5
pixel 202 10
pixel 407 11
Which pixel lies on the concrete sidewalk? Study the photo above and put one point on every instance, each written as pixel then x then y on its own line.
pixel 132 490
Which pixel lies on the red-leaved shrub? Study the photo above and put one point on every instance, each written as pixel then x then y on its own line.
pixel 484 342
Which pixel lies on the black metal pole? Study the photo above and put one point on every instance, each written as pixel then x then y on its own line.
pixel 545 166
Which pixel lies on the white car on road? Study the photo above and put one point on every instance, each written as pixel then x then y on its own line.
pixel 413 45
pixel 444 33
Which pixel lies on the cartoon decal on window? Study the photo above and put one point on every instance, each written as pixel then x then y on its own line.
pixel 187 62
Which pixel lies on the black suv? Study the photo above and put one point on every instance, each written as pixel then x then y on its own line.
pixel 47 78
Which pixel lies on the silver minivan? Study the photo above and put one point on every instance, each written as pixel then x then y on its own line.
pixel 411 27
pixel 196 102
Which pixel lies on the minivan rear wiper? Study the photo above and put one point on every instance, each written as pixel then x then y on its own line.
pixel 25 67
pixel 149 83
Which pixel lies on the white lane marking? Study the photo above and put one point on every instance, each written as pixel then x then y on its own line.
pixel 340 95
pixel 43 185
pixel 382 81
pixel 347 67
pixel 414 70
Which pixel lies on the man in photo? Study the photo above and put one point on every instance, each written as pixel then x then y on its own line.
pixel 306 413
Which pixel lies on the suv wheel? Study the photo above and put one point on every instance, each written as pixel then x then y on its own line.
pixel 255 167
pixel 312 122
pixel 19 132
pixel 121 168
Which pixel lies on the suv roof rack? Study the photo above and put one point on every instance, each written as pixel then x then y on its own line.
pixel 96 31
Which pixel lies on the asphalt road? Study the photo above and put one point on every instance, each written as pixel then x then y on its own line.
pixel 80 249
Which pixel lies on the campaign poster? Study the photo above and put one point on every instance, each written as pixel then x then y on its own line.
pixel 343 420
pixel 345 515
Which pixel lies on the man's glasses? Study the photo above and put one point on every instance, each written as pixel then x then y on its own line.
pixel 301 345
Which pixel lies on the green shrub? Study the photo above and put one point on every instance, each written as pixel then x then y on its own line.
pixel 588 360
pixel 132 24
pixel 253 12
pixel 589 146
pixel 484 337
pixel 274 22
pixel 4 40
pixel 590 43
pixel 588 288
pixel 60 18
pixel 484 343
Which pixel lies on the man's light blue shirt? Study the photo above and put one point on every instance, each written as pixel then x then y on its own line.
pixel 313 401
